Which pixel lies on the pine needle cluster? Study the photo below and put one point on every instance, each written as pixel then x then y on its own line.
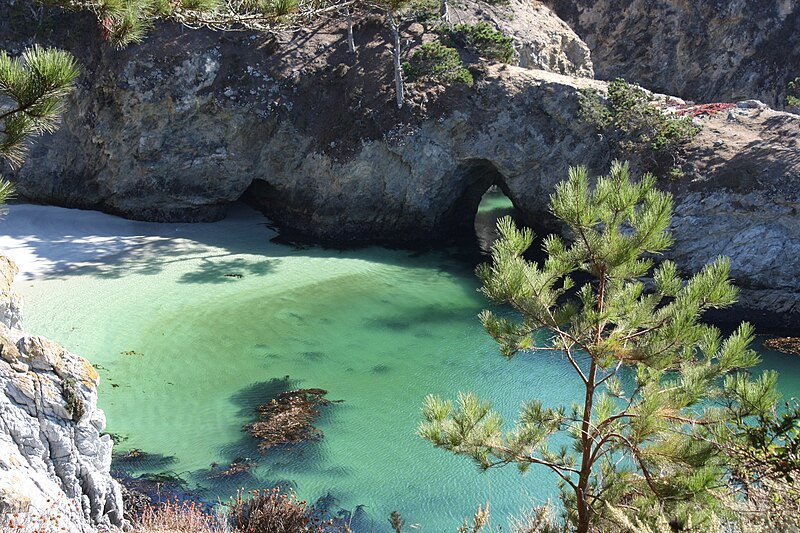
pixel 32 91
pixel 660 387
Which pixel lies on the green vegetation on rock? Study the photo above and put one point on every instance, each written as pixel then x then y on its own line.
pixel 424 10
pixel 636 127
pixel 665 394
pixel 435 61
pixel 483 40
pixel 793 96
pixel 72 398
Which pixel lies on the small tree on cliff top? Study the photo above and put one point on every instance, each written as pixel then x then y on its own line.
pixel 32 91
pixel 659 387
pixel 128 21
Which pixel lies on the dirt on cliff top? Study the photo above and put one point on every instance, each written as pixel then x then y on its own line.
pixel 744 148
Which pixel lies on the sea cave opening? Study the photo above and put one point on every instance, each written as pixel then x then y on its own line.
pixel 494 204
pixel 485 199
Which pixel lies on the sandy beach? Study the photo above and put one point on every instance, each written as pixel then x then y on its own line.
pixel 47 240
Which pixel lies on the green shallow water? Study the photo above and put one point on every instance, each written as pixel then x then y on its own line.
pixel 378 328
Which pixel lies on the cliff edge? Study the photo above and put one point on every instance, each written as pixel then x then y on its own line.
pixel 54 461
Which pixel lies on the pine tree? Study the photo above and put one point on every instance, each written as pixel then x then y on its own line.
pixel 128 21
pixel 393 11
pixel 32 91
pixel 659 386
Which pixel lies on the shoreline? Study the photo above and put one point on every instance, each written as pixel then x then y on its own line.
pixel 48 241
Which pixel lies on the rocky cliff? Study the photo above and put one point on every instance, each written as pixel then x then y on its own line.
pixel 189 121
pixel 715 50
pixel 54 463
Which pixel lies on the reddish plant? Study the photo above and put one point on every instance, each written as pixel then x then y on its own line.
pixel 696 110
pixel 176 515
pixel 274 511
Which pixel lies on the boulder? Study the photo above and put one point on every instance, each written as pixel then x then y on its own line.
pixel 54 460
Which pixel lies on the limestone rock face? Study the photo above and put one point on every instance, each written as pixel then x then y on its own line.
pixel 53 460
pixel 10 305
pixel 542 40
pixel 720 50
pixel 743 201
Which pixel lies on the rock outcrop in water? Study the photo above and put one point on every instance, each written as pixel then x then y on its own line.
pixel 189 121
pixel 711 50
pixel 53 459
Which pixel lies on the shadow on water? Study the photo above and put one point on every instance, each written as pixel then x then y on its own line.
pixel 244 465
pixel 227 271
pixel 255 394
pixel 419 317
pixel 152 475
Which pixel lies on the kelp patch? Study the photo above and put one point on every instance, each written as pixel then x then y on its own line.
pixel 288 418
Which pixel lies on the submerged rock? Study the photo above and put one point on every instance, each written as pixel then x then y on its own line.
pixel 53 458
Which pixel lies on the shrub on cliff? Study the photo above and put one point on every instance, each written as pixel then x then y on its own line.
pixel 793 93
pixel 483 40
pixel 435 61
pixel 636 127
pixel 663 395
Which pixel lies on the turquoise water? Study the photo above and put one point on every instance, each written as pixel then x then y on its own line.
pixel 191 326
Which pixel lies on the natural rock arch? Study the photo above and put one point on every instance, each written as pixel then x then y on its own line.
pixel 476 176
pixel 131 148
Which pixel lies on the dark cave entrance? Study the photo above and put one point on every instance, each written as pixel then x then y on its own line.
pixel 484 199
pixel 494 205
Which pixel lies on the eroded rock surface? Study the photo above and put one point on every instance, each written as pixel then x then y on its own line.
pixel 541 39
pixel 741 199
pixel 53 459
pixel 720 50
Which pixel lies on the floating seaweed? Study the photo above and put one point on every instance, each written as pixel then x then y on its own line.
pixel 117 438
pixel 784 344
pixel 132 454
pixel 137 459
pixel 240 465
pixel 288 418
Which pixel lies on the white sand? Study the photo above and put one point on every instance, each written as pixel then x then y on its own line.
pixel 46 240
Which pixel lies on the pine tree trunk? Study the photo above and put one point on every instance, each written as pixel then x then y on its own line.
pixel 398 71
pixel 351 43
pixel 444 11
pixel 581 498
